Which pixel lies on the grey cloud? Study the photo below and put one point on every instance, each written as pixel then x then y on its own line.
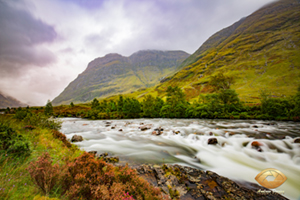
pixel 20 33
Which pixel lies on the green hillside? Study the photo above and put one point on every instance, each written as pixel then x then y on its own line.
pixel 260 51
pixel 115 74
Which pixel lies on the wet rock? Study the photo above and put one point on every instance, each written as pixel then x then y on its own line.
pixel 187 183
pixel 245 144
pixel 212 141
pixel 256 145
pixel 94 153
pixel 156 133
pixel 109 159
pixel 113 127
pixel 255 126
pixel 297 140
pixel 176 132
pixel 120 129
pixel 159 129
pixel 144 128
pixel 76 138
pixel 231 133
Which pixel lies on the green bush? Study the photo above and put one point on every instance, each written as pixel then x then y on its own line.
pixel 13 143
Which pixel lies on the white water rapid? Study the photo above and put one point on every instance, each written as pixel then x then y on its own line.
pixel 232 157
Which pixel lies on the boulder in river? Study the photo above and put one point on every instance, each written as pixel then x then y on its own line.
pixel 76 138
pixel 213 141
pixel 297 140
pixel 143 128
pixel 156 133
pixel 256 145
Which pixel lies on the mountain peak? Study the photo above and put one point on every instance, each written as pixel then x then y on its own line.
pixel 105 59
pixel 116 74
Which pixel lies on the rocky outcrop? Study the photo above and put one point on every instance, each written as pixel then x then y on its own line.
pixel 76 138
pixel 187 183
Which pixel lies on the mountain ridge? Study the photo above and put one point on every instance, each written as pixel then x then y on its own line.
pixel 261 51
pixel 113 74
pixel 8 101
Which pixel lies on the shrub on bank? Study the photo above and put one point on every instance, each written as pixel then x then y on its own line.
pixel 87 177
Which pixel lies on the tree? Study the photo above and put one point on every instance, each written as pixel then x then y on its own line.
pixel 71 104
pixel 120 104
pixel 220 81
pixel 148 105
pixel 95 103
pixel 49 108
pixel 176 103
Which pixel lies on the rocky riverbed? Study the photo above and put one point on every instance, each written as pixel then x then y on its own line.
pixel 237 149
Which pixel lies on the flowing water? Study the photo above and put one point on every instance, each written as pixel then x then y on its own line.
pixel 233 156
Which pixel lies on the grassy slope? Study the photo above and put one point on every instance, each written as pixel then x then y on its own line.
pixel 14 176
pixel 121 75
pixel 260 51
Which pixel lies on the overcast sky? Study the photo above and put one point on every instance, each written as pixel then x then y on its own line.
pixel 45 44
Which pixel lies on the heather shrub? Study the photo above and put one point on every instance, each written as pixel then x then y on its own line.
pixel 90 178
pixel 62 137
pixel 44 174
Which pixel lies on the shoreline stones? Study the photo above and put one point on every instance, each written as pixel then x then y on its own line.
pixel 76 138
pixel 188 183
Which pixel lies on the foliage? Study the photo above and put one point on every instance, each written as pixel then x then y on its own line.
pixel 44 174
pixel 49 108
pixel 12 142
pixel 221 82
pixel 95 103
pixel 89 178
pixel 175 104
pixel 62 137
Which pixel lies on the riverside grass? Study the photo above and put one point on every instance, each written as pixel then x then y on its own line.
pixel 15 181
pixel 54 168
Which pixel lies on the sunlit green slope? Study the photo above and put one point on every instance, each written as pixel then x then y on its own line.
pixel 261 51
pixel 115 74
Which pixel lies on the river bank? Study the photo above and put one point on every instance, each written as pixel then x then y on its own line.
pixel 243 149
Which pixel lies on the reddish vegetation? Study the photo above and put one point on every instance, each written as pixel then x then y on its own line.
pixel 89 178
pixel 62 137
pixel 44 174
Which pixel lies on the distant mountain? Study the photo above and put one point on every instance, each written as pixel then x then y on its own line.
pixel 7 101
pixel 261 51
pixel 116 74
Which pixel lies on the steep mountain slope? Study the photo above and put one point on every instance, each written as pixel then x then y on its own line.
pixel 7 101
pixel 261 51
pixel 115 74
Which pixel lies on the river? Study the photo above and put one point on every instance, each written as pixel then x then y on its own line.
pixel 233 157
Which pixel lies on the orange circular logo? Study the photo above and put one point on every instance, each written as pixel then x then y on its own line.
pixel 261 178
